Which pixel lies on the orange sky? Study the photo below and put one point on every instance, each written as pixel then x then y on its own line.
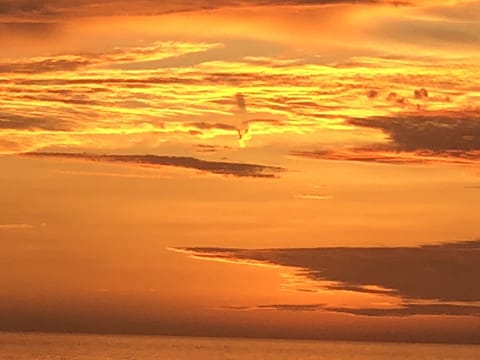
pixel 140 142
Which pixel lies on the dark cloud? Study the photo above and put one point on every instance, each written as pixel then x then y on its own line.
pixel 207 148
pixel 446 272
pixel 438 133
pixel 17 7
pixel 241 104
pixel 34 29
pixel 281 307
pixel 414 138
pixel 21 122
pixel 45 9
pixel 213 126
pixel 292 307
pixel 395 98
pixel 45 65
pixel 420 94
pixel 413 309
pixel 384 155
pixel 402 311
pixel 214 167
pixel 372 94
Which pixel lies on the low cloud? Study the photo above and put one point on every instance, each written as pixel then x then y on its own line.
pixel 281 307
pixel 421 94
pixel 448 137
pixel 434 132
pixel 403 311
pixel 214 167
pixel 208 148
pixel 31 122
pixel 414 310
pixel 443 273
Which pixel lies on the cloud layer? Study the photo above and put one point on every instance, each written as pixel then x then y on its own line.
pixel 56 9
pixel 429 280
pixel 448 137
pixel 214 167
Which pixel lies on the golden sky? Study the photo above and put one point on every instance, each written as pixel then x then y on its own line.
pixel 265 168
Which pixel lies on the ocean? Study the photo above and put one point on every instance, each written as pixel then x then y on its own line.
pixel 99 347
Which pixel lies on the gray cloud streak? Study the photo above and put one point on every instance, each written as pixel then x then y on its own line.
pixel 56 9
pixel 214 167
pixel 446 272
pixel 450 137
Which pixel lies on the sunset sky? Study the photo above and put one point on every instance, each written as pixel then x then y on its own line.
pixel 261 168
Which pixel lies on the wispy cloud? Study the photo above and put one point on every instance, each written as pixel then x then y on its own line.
pixel 56 9
pixel 72 62
pixel 214 167
pixel 413 310
pixel 409 309
pixel 313 197
pixel 15 226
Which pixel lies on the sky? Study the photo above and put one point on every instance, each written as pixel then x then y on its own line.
pixel 254 168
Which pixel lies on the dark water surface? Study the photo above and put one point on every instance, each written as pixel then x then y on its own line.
pixel 93 347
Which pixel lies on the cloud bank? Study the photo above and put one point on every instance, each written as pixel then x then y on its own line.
pixel 56 9
pixel 449 137
pixel 429 280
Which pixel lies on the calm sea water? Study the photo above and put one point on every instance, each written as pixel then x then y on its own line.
pixel 76 347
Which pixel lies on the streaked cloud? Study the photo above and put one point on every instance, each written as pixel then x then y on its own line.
pixel 280 307
pixel 314 197
pixel 56 9
pixel 414 138
pixel 403 311
pixel 15 226
pixel 436 132
pixel 89 100
pixel 429 280
pixel 214 167
pixel 73 62
pixel 414 310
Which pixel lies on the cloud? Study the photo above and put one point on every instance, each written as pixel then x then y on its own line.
pixel 372 94
pixel 446 272
pixel 15 226
pixel 414 138
pixel 421 94
pixel 212 126
pixel 281 307
pixel 36 29
pixel 243 129
pixel 292 307
pixel 23 122
pixel 73 62
pixel 435 132
pixel 313 197
pixel 214 167
pixel 208 148
pixel 97 96
pixel 413 310
pixel 402 311
pixel 241 104
pixel 382 155
pixel 56 9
